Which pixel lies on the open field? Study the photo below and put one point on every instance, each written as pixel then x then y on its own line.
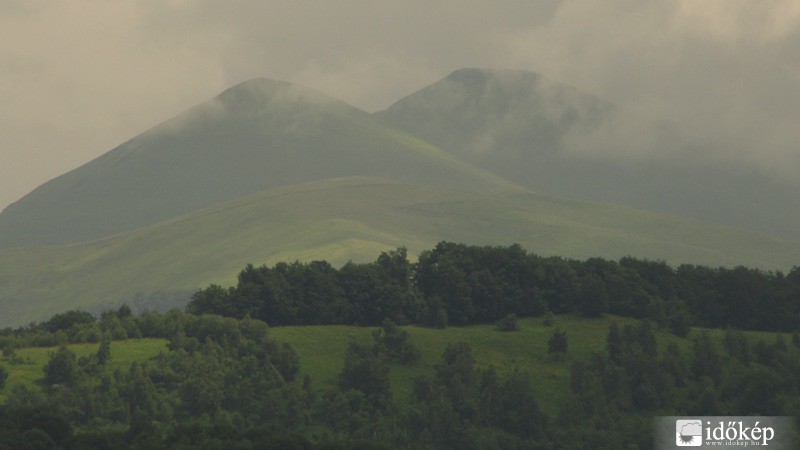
pixel 28 364
pixel 321 350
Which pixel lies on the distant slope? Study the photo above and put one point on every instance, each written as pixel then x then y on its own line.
pixel 494 116
pixel 257 135
pixel 353 219
pixel 521 126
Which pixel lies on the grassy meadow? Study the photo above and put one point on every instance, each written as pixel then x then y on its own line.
pixel 27 365
pixel 353 219
pixel 321 350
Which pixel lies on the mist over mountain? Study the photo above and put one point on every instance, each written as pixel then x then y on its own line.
pixel 558 140
pixel 256 135
pixel 269 171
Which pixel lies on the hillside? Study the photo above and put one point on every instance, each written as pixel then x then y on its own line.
pixel 554 139
pixel 321 350
pixel 352 219
pixel 268 171
pixel 257 135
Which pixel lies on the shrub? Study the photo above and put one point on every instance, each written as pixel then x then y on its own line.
pixel 508 323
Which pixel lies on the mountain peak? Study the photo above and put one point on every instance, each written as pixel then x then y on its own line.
pixel 481 78
pixel 476 73
pixel 506 121
pixel 257 135
pixel 259 93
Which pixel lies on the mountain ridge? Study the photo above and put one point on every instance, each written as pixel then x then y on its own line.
pixel 253 136
pixel 269 171
pixel 552 138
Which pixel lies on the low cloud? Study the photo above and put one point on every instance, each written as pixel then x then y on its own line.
pixel 78 78
pixel 713 78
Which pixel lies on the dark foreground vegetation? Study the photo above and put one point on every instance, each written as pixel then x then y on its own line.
pixel 224 383
pixel 458 284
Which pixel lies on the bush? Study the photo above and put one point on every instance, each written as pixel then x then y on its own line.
pixel 393 342
pixel 508 323
pixel 62 367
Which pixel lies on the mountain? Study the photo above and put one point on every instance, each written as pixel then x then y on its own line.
pixel 257 135
pixel 525 128
pixel 268 171
pixel 350 219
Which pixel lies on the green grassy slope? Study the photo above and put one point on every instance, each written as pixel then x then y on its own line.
pixel 257 135
pixel 560 141
pixel 353 219
pixel 26 367
pixel 321 350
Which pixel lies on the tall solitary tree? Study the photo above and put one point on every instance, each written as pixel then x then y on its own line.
pixel 62 367
pixel 3 377
pixel 104 353
pixel 557 344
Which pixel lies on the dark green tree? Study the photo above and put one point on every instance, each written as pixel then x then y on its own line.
pixel 674 365
pixel 286 361
pixel 66 320
pixel 679 319
pixel 3 377
pixel 557 344
pixel 517 410
pixel 365 371
pixel 737 346
pixel 104 353
pixel 706 361
pixel 614 343
pixel 124 312
pixel 455 372
pixel 392 341
pixel 62 368
pixel 592 296
pixel 508 323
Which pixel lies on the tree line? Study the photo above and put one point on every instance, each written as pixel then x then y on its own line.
pixel 457 284
pixel 224 383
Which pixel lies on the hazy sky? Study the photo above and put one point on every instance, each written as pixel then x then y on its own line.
pixel 79 77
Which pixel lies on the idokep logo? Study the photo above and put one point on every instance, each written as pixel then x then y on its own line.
pixel 689 433
pixel 772 432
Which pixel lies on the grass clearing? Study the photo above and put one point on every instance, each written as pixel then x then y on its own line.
pixel 27 366
pixel 321 350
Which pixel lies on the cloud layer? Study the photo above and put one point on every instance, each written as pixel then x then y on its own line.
pixel 78 78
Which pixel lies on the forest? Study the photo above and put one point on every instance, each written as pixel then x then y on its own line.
pixel 224 382
pixel 456 284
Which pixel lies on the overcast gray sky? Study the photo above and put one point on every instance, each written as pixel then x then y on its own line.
pixel 78 78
